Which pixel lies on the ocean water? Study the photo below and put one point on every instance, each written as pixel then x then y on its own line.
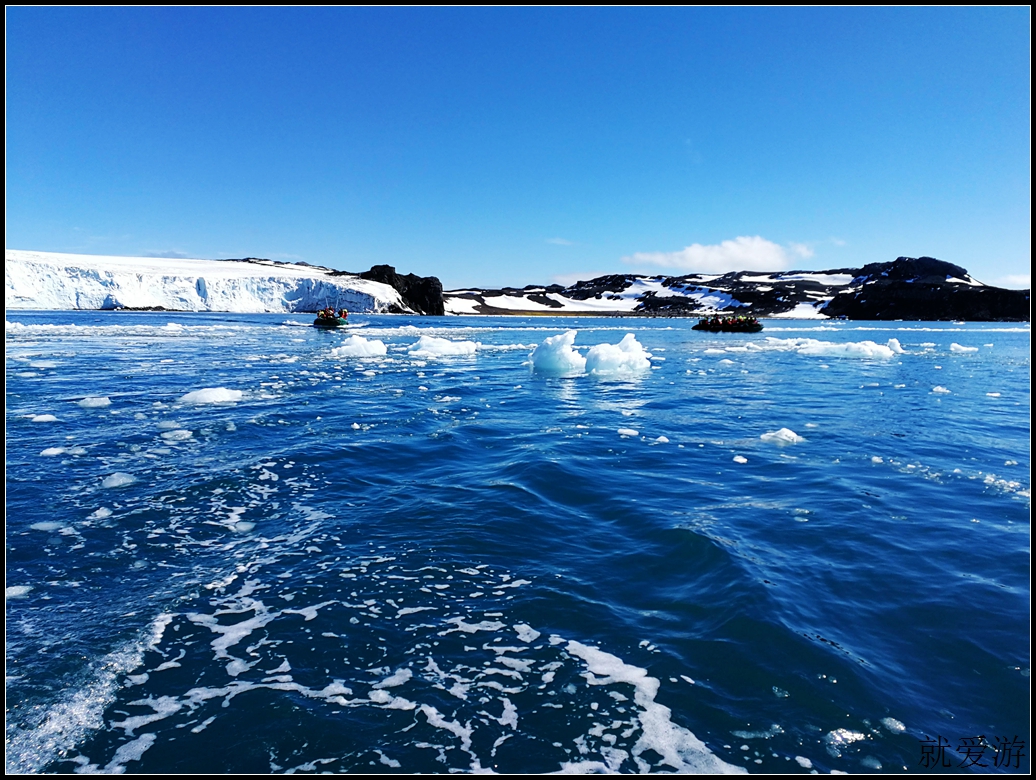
pixel 236 543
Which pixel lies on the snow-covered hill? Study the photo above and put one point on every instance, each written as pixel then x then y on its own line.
pixel 920 288
pixel 47 280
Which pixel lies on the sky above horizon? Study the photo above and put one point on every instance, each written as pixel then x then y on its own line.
pixel 514 146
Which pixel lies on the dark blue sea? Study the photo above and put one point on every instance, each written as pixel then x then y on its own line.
pixel 236 543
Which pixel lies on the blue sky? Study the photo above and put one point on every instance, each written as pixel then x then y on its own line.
pixel 524 145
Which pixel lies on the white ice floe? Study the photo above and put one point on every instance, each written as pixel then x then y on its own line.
pixel 212 395
pixel 741 458
pixel 17 591
pixel 939 389
pixel 433 346
pixel 50 452
pixel 95 402
pixel 955 347
pixel 817 348
pixel 557 356
pixel 628 356
pixel 100 514
pixel 782 437
pixel 628 432
pixel 118 479
pixel 177 435
pixel 662 440
pixel 44 418
pixel 993 395
pixel 357 346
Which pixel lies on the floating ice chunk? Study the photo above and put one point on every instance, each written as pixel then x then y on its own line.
pixel 804 762
pixel 939 389
pixel 212 395
pixel 740 459
pixel 17 591
pixel 662 440
pixel 50 526
pixel 713 351
pixel 432 346
pixel 95 402
pixel 782 437
pixel 628 356
pixel 178 435
pixel 955 347
pixel 628 432
pixel 993 395
pixel 357 346
pixel 895 346
pixel 44 418
pixel 893 725
pixel 118 479
pixel 50 452
pixel 243 526
pixel 100 514
pixel 556 355
pixel 876 459
pixel 726 362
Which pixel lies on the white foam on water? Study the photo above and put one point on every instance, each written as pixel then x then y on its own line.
pixel 628 356
pixel 398 678
pixel 782 437
pixel 357 346
pixel 677 746
pixel 939 389
pixel 557 356
pixel 100 514
pixel 433 346
pixel 95 402
pixel 212 395
pixel 840 738
pixel 61 726
pixel 955 347
pixel 526 633
pixel 44 418
pixel 118 479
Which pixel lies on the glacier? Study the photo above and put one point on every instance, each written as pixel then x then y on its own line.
pixel 51 280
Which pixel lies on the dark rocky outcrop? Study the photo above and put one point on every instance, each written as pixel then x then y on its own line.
pixel 918 288
pixel 423 294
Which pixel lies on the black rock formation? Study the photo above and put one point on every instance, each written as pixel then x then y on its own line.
pixel 423 294
pixel 918 288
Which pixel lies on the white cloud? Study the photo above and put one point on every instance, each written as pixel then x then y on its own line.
pixel 560 241
pixel 802 250
pixel 744 253
pixel 1014 281
pixel 838 241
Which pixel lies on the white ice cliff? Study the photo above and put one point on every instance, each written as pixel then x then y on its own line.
pixel 48 280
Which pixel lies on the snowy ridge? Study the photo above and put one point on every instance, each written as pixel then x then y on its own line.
pixel 47 280
pixel 915 288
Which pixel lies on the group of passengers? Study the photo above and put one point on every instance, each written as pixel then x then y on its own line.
pixel 731 321
pixel 328 313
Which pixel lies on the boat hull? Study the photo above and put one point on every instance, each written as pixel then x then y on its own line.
pixel 729 329
pixel 326 324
